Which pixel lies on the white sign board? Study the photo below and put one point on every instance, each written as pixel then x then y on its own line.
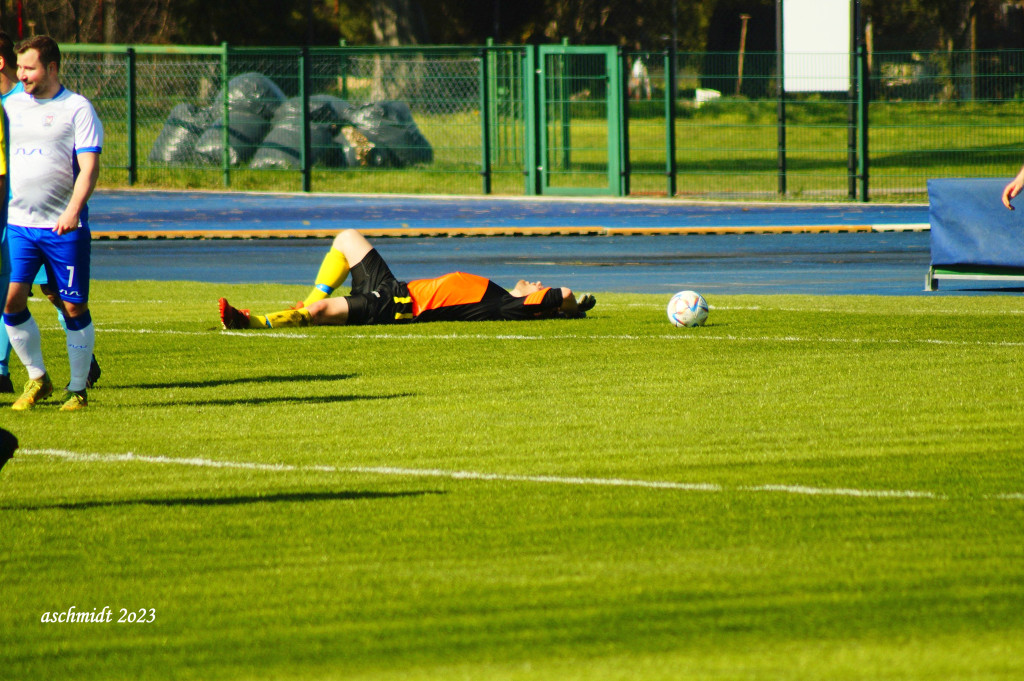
pixel 816 40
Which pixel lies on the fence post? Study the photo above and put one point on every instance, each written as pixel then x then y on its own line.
pixel 531 119
pixel 863 97
pixel 780 109
pixel 225 157
pixel 485 117
pixel 133 156
pixel 623 116
pixel 490 56
pixel 851 111
pixel 565 111
pixel 307 156
pixel 670 120
pixel 344 72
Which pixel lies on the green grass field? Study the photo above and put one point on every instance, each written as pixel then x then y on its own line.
pixel 807 488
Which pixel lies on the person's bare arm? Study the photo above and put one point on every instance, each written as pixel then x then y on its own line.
pixel 569 305
pixel 1011 190
pixel 576 307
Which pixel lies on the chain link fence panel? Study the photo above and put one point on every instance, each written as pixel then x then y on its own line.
pixel 438 119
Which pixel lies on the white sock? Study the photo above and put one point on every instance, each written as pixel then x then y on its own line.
pixel 81 343
pixel 27 343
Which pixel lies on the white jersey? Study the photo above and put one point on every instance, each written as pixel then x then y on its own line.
pixel 45 135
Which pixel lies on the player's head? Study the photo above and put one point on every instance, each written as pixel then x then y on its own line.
pixel 7 51
pixel 524 288
pixel 45 46
pixel 38 66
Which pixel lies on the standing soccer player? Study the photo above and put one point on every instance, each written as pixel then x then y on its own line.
pixel 8 78
pixel 10 85
pixel 55 141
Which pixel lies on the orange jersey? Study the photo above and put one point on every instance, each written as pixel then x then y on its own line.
pixel 457 288
pixel 468 297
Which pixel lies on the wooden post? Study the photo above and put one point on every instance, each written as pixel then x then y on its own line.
pixel 743 48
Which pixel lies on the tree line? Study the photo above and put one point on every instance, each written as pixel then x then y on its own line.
pixel 689 25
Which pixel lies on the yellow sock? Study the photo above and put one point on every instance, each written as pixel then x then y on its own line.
pixel 277 320
pixel 332 274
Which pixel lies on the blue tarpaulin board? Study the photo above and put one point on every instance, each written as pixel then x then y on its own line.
pixel 970 226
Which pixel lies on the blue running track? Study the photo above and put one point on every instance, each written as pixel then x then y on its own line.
pixel 871 249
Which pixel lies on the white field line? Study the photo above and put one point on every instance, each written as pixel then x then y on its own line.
pixel 143 303
pixel 657 306
pixel 831 310
pixel 500 477
pixel 682 335
pixel 823 310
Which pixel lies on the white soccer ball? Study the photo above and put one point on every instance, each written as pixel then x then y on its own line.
pixel 688 308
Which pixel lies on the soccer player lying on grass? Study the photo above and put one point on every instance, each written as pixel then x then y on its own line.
pixel 377 297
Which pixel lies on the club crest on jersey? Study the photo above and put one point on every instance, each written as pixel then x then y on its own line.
pixel 48 121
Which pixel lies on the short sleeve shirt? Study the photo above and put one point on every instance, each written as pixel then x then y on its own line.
pixel 467 297
pixel 45 136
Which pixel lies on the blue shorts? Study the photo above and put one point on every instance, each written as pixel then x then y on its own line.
pixel 65 257
pixel 5 267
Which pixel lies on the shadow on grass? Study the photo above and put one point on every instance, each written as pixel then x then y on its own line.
pixel 287 378
pixel 294 497
pixel 287 399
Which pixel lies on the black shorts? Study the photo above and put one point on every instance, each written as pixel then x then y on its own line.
pixel 377 297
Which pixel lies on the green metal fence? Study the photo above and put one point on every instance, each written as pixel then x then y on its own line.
pixel 956 114
pixel 579 109
pixel 739 135
pixel 511 120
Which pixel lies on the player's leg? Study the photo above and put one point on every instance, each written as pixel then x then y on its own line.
pixel 68 257
pixel 282 319
pixel 48 287
pixel 5 343
pixel 81 340
pixel 348 250
pixel 332 273
pixel 24 336
pixel 329 312
pixel 5 348
pixel 367 274
pixel 234 318
pixel 353 245
pixel 332 311
pixel 22 329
